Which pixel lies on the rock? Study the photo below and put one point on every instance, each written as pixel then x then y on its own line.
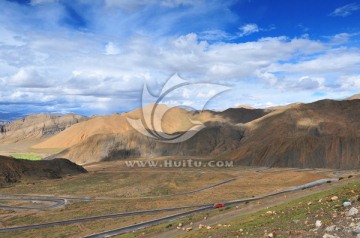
pixel 346 204
pixel 180 225
pixel 334 198
pixel 189 229
pixel 309 203
pixel 205 218
pixel 270 235
pixel 209 227
pixel 353 211
pixel 270 213
pixel 201 226
pixel 318 223
pixel 329 236
pixel 356 229
pixel 330 228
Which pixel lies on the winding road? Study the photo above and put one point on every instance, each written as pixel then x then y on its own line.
pixel 202 209
pixel 199 208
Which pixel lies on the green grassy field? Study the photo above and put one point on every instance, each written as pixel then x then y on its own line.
pixel 26 156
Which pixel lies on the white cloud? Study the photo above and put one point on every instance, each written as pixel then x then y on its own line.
pixel 28 78
pixel 248 29
pixel 346 10
pixel 36 2
pixel 351 82
pixel 83 70
pixel 111 49
pixel 308 83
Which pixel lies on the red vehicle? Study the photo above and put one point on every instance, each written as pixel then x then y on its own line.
pixel 218 205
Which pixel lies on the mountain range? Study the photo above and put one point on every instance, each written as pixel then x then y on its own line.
pixel 321 134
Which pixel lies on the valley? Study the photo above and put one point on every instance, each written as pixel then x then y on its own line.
pixel 113 180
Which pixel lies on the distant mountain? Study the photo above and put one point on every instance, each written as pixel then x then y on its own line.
pixel 174 120
pixel 356 96
pixel 320 134
pixel 10 116
pixel 37 126
pixel 217 138
pixel 14 170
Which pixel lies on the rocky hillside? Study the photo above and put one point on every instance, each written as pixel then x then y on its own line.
pixel 320 134
pixel 14 170
pixel 215 139
pixel 174 120
pixel 37 126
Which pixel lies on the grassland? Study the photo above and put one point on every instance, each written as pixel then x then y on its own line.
pixel 134 189
pixel 26 156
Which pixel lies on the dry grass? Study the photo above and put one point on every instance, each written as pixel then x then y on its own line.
pixel 126 187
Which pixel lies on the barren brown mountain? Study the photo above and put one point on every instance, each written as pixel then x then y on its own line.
pixel 356 96
pixel 36 126
pixel 13 170
pixel 320 134
pixel 215 139
pixel 174 120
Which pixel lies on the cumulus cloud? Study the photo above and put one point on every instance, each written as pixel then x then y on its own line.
pixel 346 10
pixel 88 72
pixel 308 83
pixel 351 82
pixel 28 78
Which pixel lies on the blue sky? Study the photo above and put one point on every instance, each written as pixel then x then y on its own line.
pixel 93 57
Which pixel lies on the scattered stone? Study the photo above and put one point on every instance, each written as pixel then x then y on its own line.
pixel 189 229
pixel 205 218
pixel 353 211
pixel 346 204
pixel 356 229
pixel 318 223
pixel 270 235
pixel 309 203
pixel 330 228
pixel 208 227
pixel 334 198
pixel 270 213
pixel 329 236
pixel 180 225
pixel 201 226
